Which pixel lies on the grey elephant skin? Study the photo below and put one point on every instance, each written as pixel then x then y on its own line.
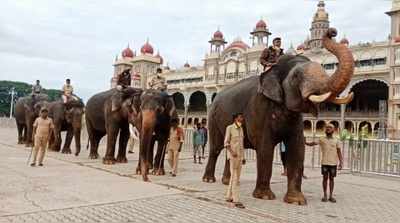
pixel 101 121
pixel 66 117
pixel 272 105
pixel 27 109
pixel 153 122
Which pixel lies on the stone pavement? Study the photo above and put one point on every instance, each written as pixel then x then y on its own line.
pixel 76 189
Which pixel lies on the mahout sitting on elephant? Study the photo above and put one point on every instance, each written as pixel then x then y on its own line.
pixel 101 121
pixel 272 105
pixel 66 117
pixel 157 109
pixel 27 109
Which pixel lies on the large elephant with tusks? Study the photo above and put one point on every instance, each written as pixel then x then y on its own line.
pixel 272 105
pixel 154 117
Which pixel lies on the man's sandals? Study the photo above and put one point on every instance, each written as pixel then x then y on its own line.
pixel 331 199
pixel 237 204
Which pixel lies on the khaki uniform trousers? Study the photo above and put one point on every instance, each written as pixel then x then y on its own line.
pixel 173 158
pixel 131 144
pixel 40 148
pixel 235 166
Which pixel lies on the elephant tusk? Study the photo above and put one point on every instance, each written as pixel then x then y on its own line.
pixel 319 98
pixel 343 100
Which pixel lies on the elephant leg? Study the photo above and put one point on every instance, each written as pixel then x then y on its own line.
pixel 20 129
pixel 150 154
pixel 94 140
pixel 295 165
pixel 77 137
pixel 112 134
pixel 216 146
pixel 265 155
pixel 29 140
pixel 51 141
pixel 67 144
pixel 159 159
pixel 123 142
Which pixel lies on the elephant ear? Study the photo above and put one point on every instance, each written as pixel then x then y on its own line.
pixel 170 106
pixel 270 85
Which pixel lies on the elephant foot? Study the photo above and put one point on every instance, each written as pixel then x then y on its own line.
pixel 76 153
pixel 208 179
pixel 265 194
pixel 122 159
pixel 296 198
pixel 225 180
pixel 109 160
pixel 66 151
pixel 20 142
pixel 146 178
pixel 93 156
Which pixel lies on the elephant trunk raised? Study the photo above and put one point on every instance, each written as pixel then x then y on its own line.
pixel 332 85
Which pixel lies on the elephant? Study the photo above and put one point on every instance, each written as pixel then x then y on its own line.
pixel 27 109
pixel 157 109
pixel 272 104
pixel 101 121
pixel 66 117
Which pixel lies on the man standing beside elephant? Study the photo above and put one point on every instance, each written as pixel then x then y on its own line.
pixel 176 138
pixel 331 155
pixel 234 143
pixel 270 55
pixel 42 128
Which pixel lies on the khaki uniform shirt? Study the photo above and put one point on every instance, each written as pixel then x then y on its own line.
pixel 43 126
pixel 67 89
pixel 36 89
pixel 176 137
pixel 158 83
pixel 329 151
pixel 234 137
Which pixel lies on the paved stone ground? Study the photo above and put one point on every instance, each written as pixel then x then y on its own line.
pixel 76 189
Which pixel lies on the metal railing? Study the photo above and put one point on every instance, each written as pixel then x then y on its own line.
pixel 359 156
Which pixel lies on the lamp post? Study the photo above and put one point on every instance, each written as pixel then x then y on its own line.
pixel 12 93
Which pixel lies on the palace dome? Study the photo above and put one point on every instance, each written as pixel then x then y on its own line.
pixel 147 48
pixel 238 43
pixel 127 52
pixel 261 24
pixel 218 35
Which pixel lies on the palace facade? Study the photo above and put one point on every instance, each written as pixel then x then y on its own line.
pixel 375 83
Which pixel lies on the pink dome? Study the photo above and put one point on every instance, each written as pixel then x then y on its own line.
pixel 147 48
pixel 127 52
pixel 186 65
pixel 238 43
pixel 218 35
pixel 344 41
pixel 261 24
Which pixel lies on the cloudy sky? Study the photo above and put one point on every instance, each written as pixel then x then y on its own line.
pixel 52 40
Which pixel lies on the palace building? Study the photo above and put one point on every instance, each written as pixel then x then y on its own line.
pixel 375 83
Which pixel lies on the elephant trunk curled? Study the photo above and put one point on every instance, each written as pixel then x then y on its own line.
pixel 340 79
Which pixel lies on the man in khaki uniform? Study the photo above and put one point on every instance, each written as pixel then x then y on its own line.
pixel 134 135
pixel 67 91
pixel 330 157
pixel 42 128
pixel 234 139
pixel 158 82
pixel 176 138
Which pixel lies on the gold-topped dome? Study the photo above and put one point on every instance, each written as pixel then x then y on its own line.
pixel 321 14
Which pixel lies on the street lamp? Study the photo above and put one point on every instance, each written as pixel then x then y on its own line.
pixel 12 92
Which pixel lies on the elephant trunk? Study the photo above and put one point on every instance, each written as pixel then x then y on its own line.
pixel 342 76
pixel 147 128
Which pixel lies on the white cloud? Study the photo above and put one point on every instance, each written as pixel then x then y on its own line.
pixel 53 39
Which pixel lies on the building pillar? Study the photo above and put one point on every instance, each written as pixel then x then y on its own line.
pixel 342 114
pixel 186 114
